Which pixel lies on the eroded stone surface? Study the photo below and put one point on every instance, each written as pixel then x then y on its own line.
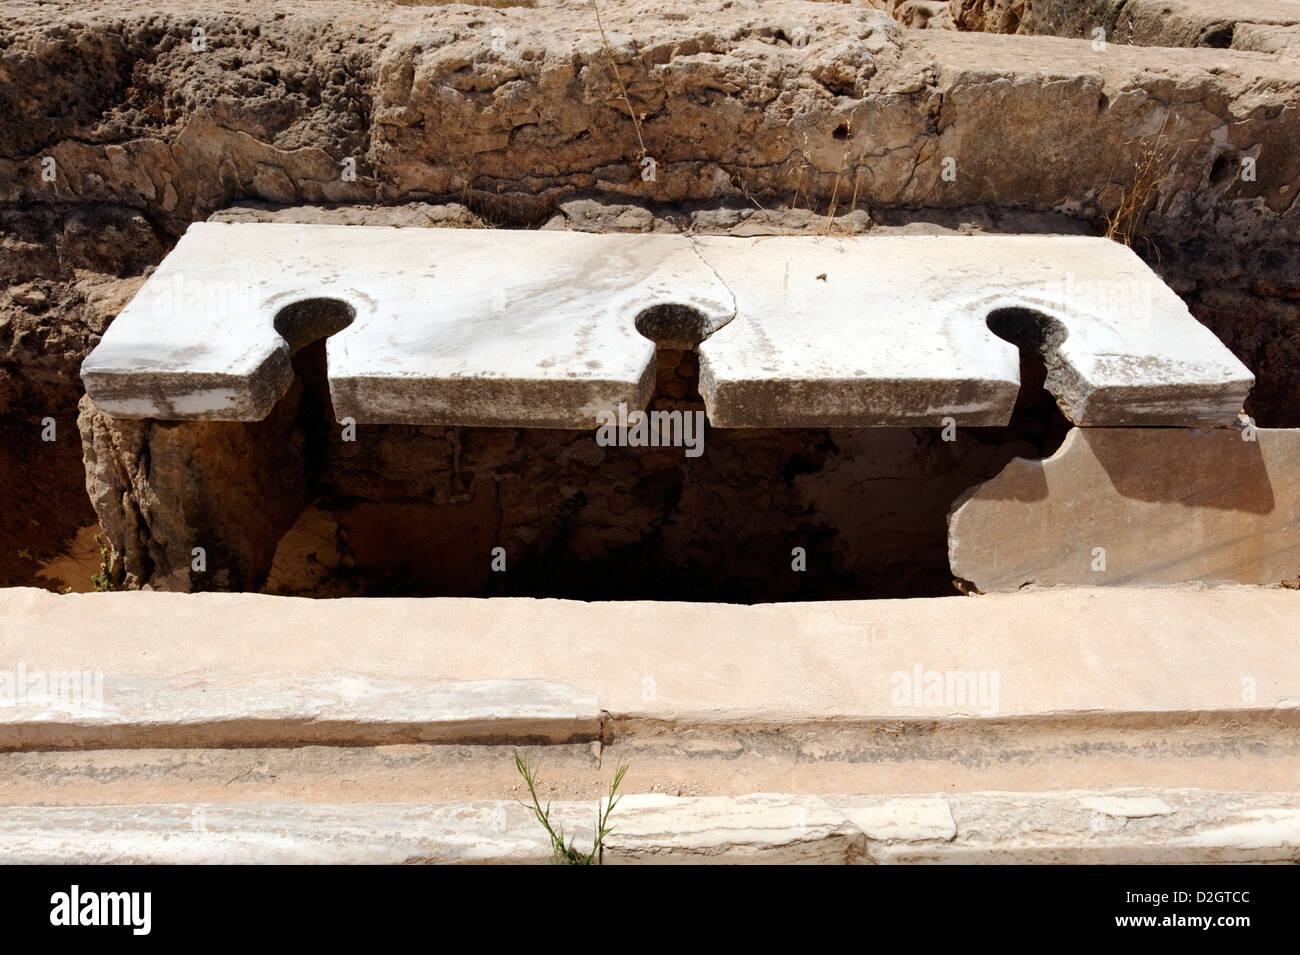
pixel 1127 807
pixel 911 819
pixel 760 828
pixel 159 491
pixel 1201 826
pixel 1065 828
pixel 1130 506
pixel 482 832
pixel 1268 26
pixel 989 16
pixel 403 506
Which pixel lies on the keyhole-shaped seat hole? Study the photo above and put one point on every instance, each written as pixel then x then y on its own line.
pixel 311 319
pixel 1036 415
pixel 679 327
pixel 1027 329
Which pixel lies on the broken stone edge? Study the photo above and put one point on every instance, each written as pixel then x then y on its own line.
pixel 1191 405
pixel 195 396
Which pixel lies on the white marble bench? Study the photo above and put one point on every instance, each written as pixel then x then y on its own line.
pixel 540 329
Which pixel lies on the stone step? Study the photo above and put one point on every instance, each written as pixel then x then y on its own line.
pixel 548 329
pixel 155 669
pixel 1071 827
pixel 212 708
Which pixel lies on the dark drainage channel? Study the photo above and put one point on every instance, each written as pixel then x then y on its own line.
pixel 756 516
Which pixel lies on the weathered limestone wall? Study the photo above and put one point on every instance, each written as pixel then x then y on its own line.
pixel 1266 26
pixel 418 510
pixel 796 108
pixel 434 103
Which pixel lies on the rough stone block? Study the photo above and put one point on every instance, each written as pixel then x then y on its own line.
pixel 1170 827
pixel 479 832
pixel 906 819
pixel 1194 826
pixel 762 828
pixel 1134 506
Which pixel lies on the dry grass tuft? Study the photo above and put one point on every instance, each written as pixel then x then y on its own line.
pixel 1156 158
